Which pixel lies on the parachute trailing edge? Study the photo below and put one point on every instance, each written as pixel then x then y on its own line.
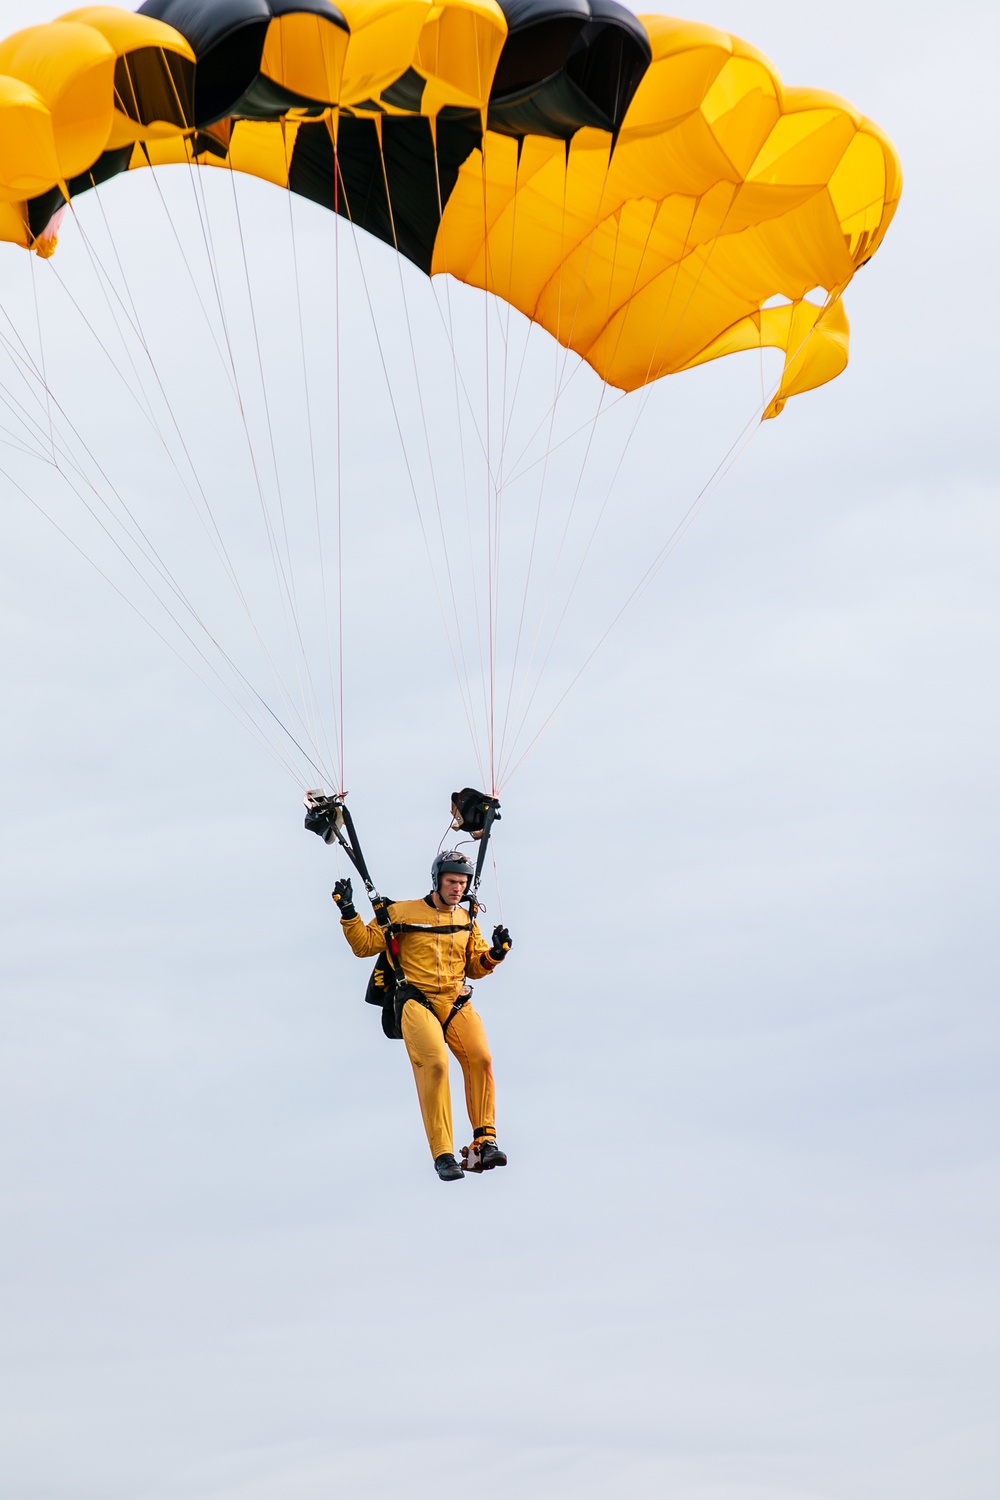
pixel 644 188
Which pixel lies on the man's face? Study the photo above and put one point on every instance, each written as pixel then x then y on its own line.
pixel 451 888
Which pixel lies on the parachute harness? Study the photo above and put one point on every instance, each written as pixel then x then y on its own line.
pixel 330 818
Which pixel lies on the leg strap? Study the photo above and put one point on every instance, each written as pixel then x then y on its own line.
pixel 459 1004
pixel 403 993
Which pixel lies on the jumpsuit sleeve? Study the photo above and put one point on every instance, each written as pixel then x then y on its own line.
pixel 477 955
pixel 364 940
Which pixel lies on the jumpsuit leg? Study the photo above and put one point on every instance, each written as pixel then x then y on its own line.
pixel 425 1044
pixel 467 1039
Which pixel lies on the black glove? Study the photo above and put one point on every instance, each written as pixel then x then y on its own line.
pixel 501 944
pixel 344 897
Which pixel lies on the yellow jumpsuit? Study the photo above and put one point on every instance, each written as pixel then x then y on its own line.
pixel 438 963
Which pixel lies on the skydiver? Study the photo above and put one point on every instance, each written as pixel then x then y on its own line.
pixel 437 959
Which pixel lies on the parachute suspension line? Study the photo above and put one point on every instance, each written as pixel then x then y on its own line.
pixel 575 432
pixel 409 470
pixel 464 679
pixel 608 407
pixel 479 613
pixel 641 406
pixel 552 447
pixel 231 704
pixel 35 428
pixel 135 389
pixel 21 441
pixel 473 571
pixel 288 576
pixel 460 384
pixel 590 237
pixel 201 207
pixel 280 580
pixel 448 327
pixel 338 760
pixel 136 536
pixel 192 278
pixel 496 755
pixel 647 390
pixel 10 440
pixel 229 370
pixel 491 539
pixel 149 554
pixel 423 415
pixel 307 401
pixel 593 235
pixel 517 386
pixel 519 719
pixel 144 549
pixel 458 377
pixel 101 276
pixel 147 551
pixel 735 451
pixel 722 469
pixel 210 525
pixel 556 373
pixel 508 420
pixel 340 471
pixel 145 406
pixel 548 446
pixel 41 353
pixel 303 673
pixel 448 324
pixel 563 383
pixel 706 257
pixel 576 492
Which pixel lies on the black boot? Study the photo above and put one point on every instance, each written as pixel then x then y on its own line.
pixel 447 1167
pixel 483 1155
pixel 490 1154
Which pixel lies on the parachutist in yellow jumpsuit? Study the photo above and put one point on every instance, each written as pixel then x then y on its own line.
pixel 440 946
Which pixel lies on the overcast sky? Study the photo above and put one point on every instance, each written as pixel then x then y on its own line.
pixel 746 1040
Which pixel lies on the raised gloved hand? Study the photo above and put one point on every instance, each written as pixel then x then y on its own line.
pixel 344 897
pixel 501 944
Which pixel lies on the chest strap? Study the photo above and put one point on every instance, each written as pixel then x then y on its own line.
pixel 428 927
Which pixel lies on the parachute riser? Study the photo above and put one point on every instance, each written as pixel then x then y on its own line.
pixel 472 897
pixel 330 817
pixel 476 813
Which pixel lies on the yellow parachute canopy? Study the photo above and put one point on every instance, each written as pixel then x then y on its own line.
pixel 645 188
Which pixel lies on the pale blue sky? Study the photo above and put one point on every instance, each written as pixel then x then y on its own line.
pixel 746 1042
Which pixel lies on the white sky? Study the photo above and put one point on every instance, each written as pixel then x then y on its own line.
pixel 746 1042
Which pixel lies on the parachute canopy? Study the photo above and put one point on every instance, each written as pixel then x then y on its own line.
pixel 644 188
